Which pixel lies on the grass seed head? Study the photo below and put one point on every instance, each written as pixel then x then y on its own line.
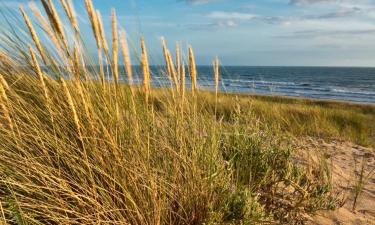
pixel 114 46
pixel 58 25
pixel 71 106
pixel 33 34
pixel 165 54
pixel 39 73
pixel 192 70
pixel 145 69
pixel 46 27
pixel 101 32
pixel 216 75
pixel 172 70
pixel 183 82
pixel 126 56
pixel 76 63
pixel 178 61
pixel 70 12
pixel 4 104
pixel 94 22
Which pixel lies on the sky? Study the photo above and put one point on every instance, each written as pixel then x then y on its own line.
pixel 253 32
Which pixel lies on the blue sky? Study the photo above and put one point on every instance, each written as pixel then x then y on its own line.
pixel 257 32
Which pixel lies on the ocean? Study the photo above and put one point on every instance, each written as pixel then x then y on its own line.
pixel 336 83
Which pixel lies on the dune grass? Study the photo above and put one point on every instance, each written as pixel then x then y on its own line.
pixel 306 117
pixel 79 148
pixel 74 159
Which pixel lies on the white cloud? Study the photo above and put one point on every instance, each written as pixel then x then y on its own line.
pixel 331 2
pixel 199 2
pixel 304 2
pixel 212 25
pixel 231 15
pixel 228 23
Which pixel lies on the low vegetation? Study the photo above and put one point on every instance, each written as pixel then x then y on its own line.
pixel 317 118
pixel 79 147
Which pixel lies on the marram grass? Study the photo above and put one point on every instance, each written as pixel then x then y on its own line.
pixel 77 148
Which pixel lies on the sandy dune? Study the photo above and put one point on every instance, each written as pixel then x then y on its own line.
pixel 345 160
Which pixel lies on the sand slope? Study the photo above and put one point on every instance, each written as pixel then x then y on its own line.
pixel 345 159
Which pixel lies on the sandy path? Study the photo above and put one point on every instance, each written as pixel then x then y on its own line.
pixel 345 160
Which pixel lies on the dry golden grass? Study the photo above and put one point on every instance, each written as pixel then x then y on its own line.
pixel 76 152
pixel 173 71
pixel 183 81
pixel 101 32
pixel 70 12
pixel 178 62
pixel 94 22
pixel 114 47
pixel 40 75
pixel 145 70
pixel 56 23
pixel 216 76
pixel 4 102
pixel 192 70
pixel 47 28
pixel 33 34
pixel 126 57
